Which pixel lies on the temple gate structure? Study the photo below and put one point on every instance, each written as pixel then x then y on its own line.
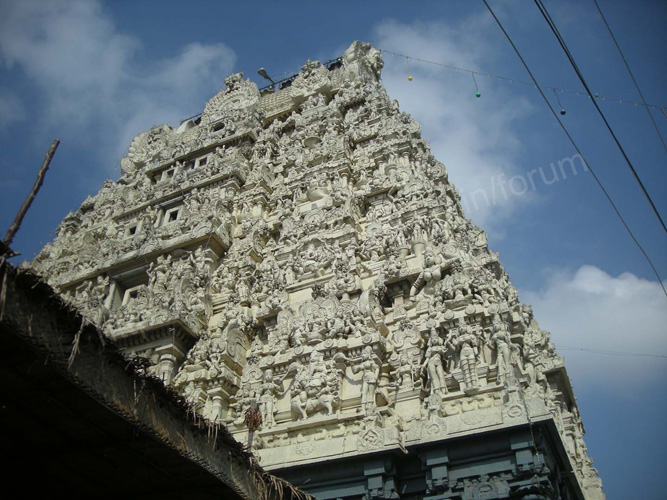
pixel 299 250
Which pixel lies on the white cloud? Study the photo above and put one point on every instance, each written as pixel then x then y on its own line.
pixel 592 310
pixel 90 77
pixel 473 136
pixel 70 50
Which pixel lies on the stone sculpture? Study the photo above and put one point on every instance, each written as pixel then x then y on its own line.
pixel 369 377
pixel 464 342
pixel 433 365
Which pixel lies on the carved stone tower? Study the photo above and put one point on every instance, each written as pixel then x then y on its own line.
pixel 299 250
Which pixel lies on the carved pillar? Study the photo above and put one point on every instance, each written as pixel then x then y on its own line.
pixel 216 409
pixel 166 366
pixel 397 295
pixel 220 404
pixel 170 356
pixel 108 302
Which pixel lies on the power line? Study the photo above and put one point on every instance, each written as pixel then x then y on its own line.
pixel 574 144
pixel 523 82
pixel 561 41
pixel 507 79
pixel 627 66
pixel 608 353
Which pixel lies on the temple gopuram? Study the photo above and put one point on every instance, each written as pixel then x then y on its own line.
pixel 297 255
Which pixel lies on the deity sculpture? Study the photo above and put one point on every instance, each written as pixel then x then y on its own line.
pixel 430 274
pixel 336 326
pixel 314 387
pixel 159 273
pixel 433 364
pixel 464 342
pixel 507 353
pixel 370 372
pixel 267 398
pixel 406 370
pixel 244 398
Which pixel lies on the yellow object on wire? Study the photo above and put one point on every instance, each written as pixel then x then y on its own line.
pixel 520 82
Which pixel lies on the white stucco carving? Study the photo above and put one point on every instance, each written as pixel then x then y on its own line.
pixel 303 250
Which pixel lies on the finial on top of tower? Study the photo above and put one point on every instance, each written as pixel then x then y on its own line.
pixel 362 61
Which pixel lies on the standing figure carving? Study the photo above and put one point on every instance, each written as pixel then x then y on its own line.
pixel 506 352
pixel 267 399
pixel 369 379
pixel 159 273
pixel 433 364
pixel 465 343
pixel 404 372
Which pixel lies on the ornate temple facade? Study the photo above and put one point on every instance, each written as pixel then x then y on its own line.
pixel 300 251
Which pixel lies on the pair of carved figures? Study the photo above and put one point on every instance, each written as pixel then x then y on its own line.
pixel 463 344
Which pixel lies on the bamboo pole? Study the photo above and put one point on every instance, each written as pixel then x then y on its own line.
pixel 16 224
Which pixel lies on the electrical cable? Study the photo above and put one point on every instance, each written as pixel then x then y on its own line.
pixel 574 144
pixel 627 66
pixel 563 45
pixel 608 353
pixel 487 75
pixel 522 82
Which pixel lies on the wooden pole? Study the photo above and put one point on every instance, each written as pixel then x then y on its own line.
pixel 31 196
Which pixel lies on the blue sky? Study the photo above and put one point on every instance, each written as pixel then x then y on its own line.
pixel 96 74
